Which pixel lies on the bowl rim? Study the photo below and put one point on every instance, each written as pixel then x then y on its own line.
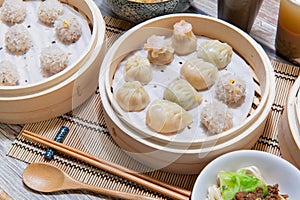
pixel 292 117
pixel 60 76
pixel 270 78
pixel 245 155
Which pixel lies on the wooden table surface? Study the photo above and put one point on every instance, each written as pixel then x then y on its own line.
pixel 263 31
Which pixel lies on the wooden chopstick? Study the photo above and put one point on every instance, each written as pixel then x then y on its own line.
pixel 142 179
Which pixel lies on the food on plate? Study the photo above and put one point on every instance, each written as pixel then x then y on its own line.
pixel 183 93
pixel 8 74
pixel 199 73
pixel 13 11
pixel 230 88
pixel 67 28
pixel 17 39
pixel 138 68
pixel 49 11
pixel 215 52
pixel 183 40
pixel 160 50
pixel 216 117
pixel 244 184
pixel 167 117
pixel 53 60
pixel 132 97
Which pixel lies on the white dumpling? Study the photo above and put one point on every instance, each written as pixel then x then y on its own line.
pixel 166 117
pixel 160 50
pixel 216 117
pixel 215 52
pixel 132 97
pixel 138 68
pixel 230 89
pixel 183 93
pixel 183 40
pixel 200 74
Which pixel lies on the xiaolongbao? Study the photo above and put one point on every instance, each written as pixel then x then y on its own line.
pixel 183 40
pixel 230 89
pixel 200 74
pixel 138 68
pixel 132 97
pixel 160 50
pixel 216 117
pixel 182 92
pixel 215 52
pixel 164 116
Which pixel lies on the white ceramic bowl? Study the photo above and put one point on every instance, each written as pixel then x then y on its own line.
pixel 289 127
pixel 186 157
pixel 65 90
pixel 273 169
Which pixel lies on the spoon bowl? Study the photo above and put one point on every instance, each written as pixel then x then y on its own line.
pixel 44 177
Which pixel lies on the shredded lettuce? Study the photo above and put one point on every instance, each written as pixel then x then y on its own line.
pixel 233 182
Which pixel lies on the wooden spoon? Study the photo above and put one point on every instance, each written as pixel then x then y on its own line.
pixel 44 177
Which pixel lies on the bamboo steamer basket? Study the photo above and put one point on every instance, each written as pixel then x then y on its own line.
pixel 187 158
pixel 289 127
pixel 65 90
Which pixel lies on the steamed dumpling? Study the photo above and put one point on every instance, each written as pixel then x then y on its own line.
pixel 216 117
pixel 9 75
pixel 164 116
pixel 138 68
pixel 230 89
pixel 181 92
pixel 183 40
pixel 49 11
pixel 200 74
pixel 13 11
pixel 132 97
pixel 160 50
pixel 215 52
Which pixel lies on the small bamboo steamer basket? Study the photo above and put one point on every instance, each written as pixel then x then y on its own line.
pixel 188 158
pixel 289 127
pixel 65 90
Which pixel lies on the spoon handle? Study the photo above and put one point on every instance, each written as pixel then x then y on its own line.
pixel 115 193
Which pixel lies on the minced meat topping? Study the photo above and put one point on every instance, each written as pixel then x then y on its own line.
pixel 273 194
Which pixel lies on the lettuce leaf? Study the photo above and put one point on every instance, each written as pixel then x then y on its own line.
pixel 233 182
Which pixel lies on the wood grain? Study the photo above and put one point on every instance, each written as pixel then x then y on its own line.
pixel 263 31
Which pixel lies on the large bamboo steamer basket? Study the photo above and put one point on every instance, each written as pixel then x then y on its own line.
pixel 289 127
pixel 189 158
pixel 64 91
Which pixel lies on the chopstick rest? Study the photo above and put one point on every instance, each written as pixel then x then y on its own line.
pixel 60 136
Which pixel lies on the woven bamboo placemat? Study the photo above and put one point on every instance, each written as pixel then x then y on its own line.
pixel 88 132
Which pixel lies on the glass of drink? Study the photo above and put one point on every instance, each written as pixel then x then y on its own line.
pixel 240 13
pixel 288 31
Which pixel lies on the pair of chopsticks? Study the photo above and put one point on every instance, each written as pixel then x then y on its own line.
pixel 155 185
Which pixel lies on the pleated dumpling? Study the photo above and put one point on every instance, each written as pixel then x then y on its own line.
pixel 132 97
pixel 138 68
pixel 183 40
pixel 199 73
pixel 166 117
pixel 215 52
pixel 183 93
pixel 160 50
